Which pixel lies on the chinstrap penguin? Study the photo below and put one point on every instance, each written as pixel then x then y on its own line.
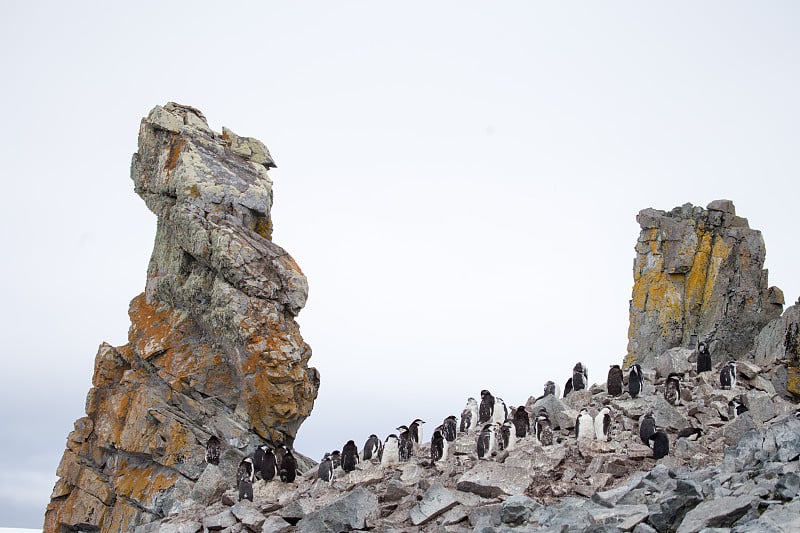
pixel 635 380
pixel 469 416
pixel 647 427
pixel 584 425
pixel 349 456
pixel 212 450
pixel 602 425
pixel 703 358
pixel 614 382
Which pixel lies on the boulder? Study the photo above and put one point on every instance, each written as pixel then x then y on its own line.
pixel 436 501
pixel 489 480
pixel 348 512
pixel 720 512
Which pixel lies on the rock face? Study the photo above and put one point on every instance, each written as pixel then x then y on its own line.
pixel 698 276
pixel 213 345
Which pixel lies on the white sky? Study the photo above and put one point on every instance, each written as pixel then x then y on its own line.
pixel 458 180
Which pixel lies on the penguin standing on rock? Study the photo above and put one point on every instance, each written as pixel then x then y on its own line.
pixel 487 441
pixel 212 450
pixel 614 381
pixel 551 388
pixel 288 470
pixel 580 377
pixel 349 456
pixel 727 376
pixel 647 427
pixel 269 468
pixel 584 426
pixel 258 458
pixel 509 433
pixel 449 428
pixel 438 447
pixel 500 413
pixel 672 389
pixel 390 453
pixel 415 432
pixel 372 448
pixel 703 358
pixel 325 470
pixel 635 380
pixel 486 409
pixel 543 428
pixel 406 445
pixel 736 407
pixel 567 387
pixel 469 416
pixel 660 442
pixel 245 475
pixel 602 425
pixel 336 459
pixel 522 422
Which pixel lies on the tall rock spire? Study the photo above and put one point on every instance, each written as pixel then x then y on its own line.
pixel 213 345
pixel 698 275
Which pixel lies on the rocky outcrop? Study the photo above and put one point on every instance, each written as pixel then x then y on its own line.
pixel 594 485
pixel 699 276
pixel 213 345
pixel 778 346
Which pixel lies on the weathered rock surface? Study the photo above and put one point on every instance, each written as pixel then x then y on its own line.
pixel 213 346
pixel 698 275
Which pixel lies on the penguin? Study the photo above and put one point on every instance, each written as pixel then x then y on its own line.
pixel 703 358
pixel 500 413
pixel 390 453
pixel 614 382
pixel 438 444
pixel 269 467
pixel 544 431
pixel 584 426
pixel 405 444
pixel 635 380
pixel 415 432
pixel 567 387
pixel 245 475
pixel 727 376
pixel 450 428
pixel 258 458
pixel 509 433
pixel 336 459
pixel 672 389
pixel 487 441
pixel 736 407
pixel 212 450
pixel 486 409
pixel 580 377
pixel 541 418
pixel 469 416
pixel 288 470
pixel 689 433
pixel 281 450
pixel 245 490
pixel 551 388
pixel 602 424
pixel 325 470
pixel 647 427
pixel 372 448
pixel 660 444
pixel 349 456
pixel 522 422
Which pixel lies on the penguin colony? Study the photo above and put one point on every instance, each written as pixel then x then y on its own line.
pixel 494 425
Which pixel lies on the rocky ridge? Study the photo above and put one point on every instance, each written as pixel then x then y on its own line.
pixel 213 345
pixel 742 473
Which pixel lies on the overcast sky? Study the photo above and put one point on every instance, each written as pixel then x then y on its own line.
pixel 458 180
